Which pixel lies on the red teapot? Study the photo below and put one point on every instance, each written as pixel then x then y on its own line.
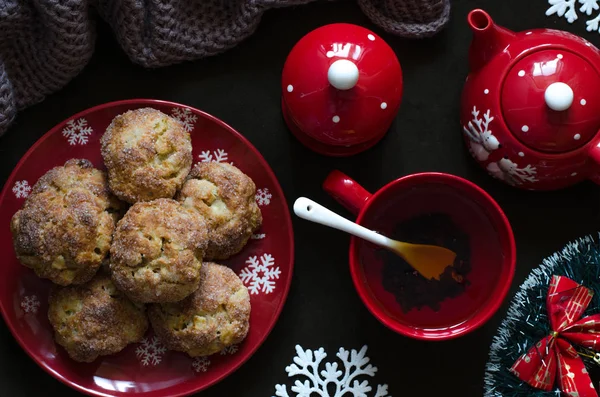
pixel 341 89
pixel 531 105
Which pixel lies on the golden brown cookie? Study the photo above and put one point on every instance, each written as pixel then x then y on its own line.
pixel 147 153
pixel 95 319
pixel 64 230
pixel 217 315
pixel 225 197
pixel 157 251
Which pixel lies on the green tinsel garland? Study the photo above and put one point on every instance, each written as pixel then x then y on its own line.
pixel 527 321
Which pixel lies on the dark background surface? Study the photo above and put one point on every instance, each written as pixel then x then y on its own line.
pixel 242 87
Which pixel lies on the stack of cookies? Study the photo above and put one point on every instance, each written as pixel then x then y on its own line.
pixel 145 233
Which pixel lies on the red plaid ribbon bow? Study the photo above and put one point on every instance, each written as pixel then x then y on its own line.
pixel 566 302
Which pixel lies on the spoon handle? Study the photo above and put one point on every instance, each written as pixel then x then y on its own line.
pixel 311 211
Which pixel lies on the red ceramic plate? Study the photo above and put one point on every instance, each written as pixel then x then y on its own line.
pixel 147 368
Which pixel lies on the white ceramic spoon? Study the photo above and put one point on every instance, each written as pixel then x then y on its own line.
pixel 429 260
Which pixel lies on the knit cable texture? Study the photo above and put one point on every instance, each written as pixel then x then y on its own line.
pixel 46 43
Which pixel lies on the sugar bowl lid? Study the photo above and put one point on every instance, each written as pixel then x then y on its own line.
pixel 341 85
pixel 550 100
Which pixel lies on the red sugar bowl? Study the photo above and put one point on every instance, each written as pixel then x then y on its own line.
pixel 341 89
pixel 480 234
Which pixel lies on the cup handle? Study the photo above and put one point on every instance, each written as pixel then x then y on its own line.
pixel 346 191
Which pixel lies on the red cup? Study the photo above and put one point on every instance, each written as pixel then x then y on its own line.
pixel 492 248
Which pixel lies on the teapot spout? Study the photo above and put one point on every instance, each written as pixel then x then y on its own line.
pixel 489 39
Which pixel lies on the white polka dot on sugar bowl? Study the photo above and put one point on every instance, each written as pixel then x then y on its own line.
pixel 574 174
pixel 486 91
pixel 521 154
pixel 521 73
pixel 583 102
pixel 383 105
pixel 525 128
pixel 290 88
pixel 371 37
pixel 336 119
pixel 560 56
pixel 577 137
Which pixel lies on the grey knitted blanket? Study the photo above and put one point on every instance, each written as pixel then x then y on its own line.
pixel 46 43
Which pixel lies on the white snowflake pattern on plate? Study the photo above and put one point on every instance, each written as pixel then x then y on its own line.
pixel 77 132
pixel 229 350
pixel 259 236
pixel 200 364
pixel 263 197
pixel 187 118
pixel 355 364
pixel 30 304
pixel 21 189
pixel 216 156
pixel 260 274
pixel 150 351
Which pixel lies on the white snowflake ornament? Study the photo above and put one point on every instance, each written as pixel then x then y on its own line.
pixel 21 189
pixel 77 132
pixel 345 380
pixel 562 8
pixel 588 6
pixel 568 9
pixel 260 274
pixel 592 24
pixel 263 197
pixel 150 351
pixel 30 304
pixel 187 118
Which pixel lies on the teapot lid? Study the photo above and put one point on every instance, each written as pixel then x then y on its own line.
pixel 550 100
pixel 342 84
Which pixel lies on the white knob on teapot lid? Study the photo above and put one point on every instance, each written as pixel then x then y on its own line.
pixel 558 96
pixel 343 74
